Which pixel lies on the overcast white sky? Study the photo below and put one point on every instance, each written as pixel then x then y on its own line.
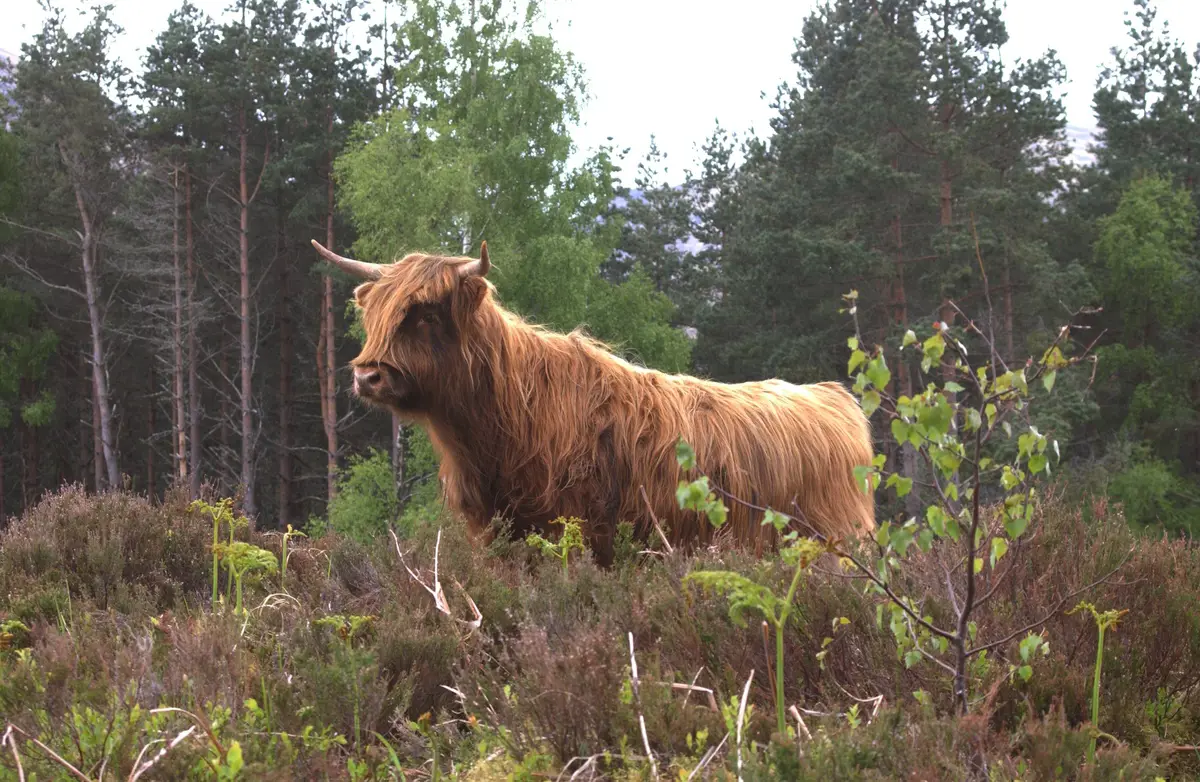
pixel 663 67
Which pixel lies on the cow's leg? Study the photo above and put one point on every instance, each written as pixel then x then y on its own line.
pixel 606 504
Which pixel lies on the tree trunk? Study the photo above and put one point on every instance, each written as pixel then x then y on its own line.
pixel 91 279
pixel 329 380
pixel 1008 314
pixel 193 363
pixel 150 426
pixel 285 384
pixel 903 373
pixel 3 516
pixel 246 361
pixel 97 442
pixel 91 282
pixel 225 414
pixel 177 400
pixel 398 459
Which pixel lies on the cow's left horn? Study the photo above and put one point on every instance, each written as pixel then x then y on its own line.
pixel 359 269
pixel 477 268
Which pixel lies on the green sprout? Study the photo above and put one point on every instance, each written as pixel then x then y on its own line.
pixel 572 538
pixel 244 558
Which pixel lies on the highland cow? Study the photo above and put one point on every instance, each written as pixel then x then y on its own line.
pixel 531 425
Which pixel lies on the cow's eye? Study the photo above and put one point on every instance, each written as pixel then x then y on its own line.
pixel 429 317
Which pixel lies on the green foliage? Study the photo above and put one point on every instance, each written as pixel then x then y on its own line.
pixel 25 352
pixel 365 505
pixel 1152 494
pixel 244 559
pixel 571 538
pixel 1146 249
pixel 480 152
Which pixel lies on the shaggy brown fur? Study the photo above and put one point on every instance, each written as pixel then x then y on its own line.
pixel 532 425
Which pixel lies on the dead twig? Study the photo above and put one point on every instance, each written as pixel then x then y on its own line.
pixel 708 756
pixel 690 688
pixel 54 755
pixel 740 720
pixel 637 696
pixel 12 745
pixel 439 596
pixel 657 527
pixel 141 768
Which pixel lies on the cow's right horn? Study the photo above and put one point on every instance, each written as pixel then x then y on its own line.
pixel 477 268
pixel 359 269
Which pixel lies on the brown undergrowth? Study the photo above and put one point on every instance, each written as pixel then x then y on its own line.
pixel 348 670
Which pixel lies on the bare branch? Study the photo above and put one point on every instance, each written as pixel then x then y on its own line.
pixel 637 696
pixel 1050 614
pixel 28 270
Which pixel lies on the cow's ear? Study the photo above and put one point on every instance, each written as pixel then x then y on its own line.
pixel 474 289
pixel 470 294
pixel 360 293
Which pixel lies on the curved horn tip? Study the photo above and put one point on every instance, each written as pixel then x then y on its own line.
pixel 484 262
pixel 360 269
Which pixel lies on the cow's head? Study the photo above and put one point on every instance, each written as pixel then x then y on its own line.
pixel 419 318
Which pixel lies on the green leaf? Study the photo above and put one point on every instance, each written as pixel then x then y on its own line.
pixel 978 565
pixel 1016 523
pixel 856 360
pixel 990 412
pixel 1025 671
pixel 852 343
pixel 953 387
pixel 909 338
pixel 1037 463
pixel 937 520
pixel 776 520
pixel 878 373
pixel 1048 380
pixel 684 455
pixel 900 430
pixel 999 549
pixel 912 658
pixel 883 534
pixel 925 539
pixel 871 402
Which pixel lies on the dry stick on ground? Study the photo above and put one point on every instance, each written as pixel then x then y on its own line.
pixel 690 688
pixel 708 756
pixel 637 697
pixel 58 758
pixel 141 768
pixel 439 596
pixel 12 745
pixel 741 717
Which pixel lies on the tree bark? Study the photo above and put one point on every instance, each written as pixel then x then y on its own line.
pixel 150 426
pixel 246 359
pixel 1008 314
pixel 398 458
pixel 91 282
pixel 97 442
pixel 329 380
pixel 3 516
pixel 285 384
pixel 193 363
pixel 178 400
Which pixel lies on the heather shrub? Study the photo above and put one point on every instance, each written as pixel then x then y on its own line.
pixel 111 547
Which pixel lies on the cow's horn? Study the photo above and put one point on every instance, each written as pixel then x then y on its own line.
pixel 477 268
pixel 359 269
